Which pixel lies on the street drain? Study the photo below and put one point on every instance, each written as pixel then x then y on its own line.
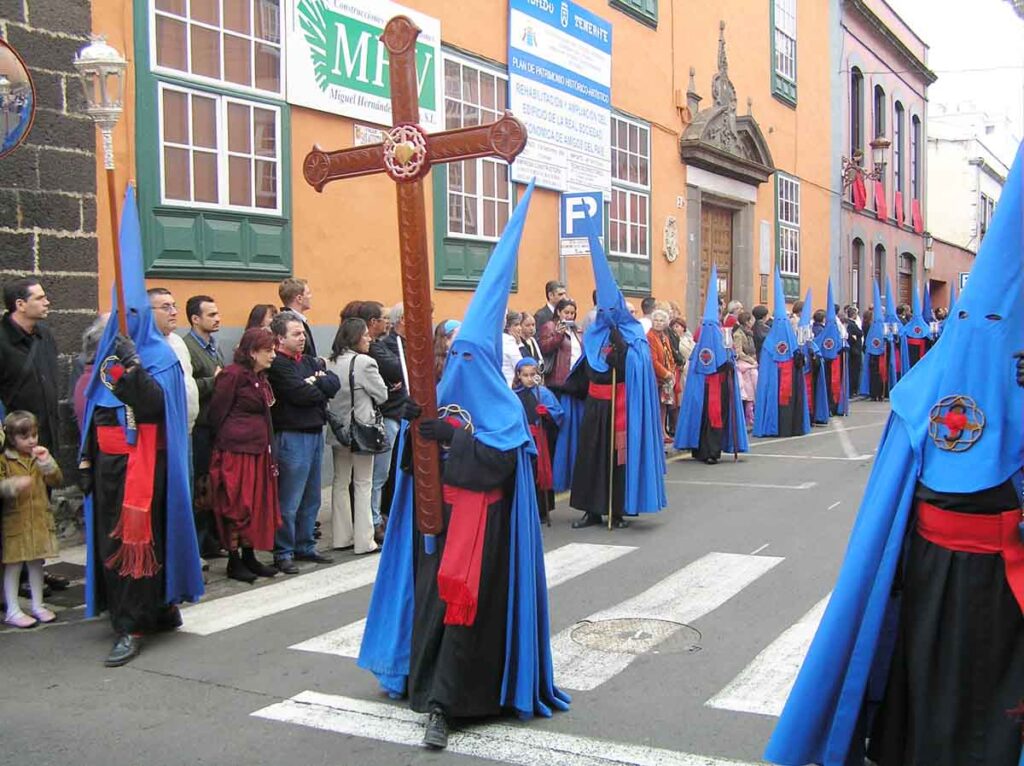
pixel 637 636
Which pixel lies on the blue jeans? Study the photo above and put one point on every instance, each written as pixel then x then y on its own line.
pixel 381 468
pixel 298 488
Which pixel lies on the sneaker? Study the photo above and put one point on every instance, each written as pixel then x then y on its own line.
pixel 21 620
pixel 436 734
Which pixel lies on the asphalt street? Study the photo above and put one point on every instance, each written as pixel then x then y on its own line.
pixel 678 638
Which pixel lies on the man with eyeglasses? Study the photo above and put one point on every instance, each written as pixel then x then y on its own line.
pixel 165 314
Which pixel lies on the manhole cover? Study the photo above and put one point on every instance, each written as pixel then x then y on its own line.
pixel 637 636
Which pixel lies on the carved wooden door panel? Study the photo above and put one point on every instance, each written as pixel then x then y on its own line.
pixel 716 247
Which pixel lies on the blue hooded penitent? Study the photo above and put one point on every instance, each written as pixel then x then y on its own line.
pixel 814 368
pixel 926 302
pixel 777 353
pixel 874 339
pixel 645 449
pixel 894 342
pixel 563 462
pixel 708 356
pixel 182 570
pixel 473 380
pixel 916 329
pixel 821 719
pixel 831 344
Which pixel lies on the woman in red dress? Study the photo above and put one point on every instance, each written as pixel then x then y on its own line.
pixel 243 472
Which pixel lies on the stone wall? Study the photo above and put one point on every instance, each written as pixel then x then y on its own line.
pixel 48 184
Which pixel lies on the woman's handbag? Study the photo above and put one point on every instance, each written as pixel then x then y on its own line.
pixel 368 438
pixel 339 429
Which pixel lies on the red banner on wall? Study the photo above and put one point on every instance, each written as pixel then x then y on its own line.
pixel 880 207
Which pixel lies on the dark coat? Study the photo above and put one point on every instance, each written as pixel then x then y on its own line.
pixel 33 390
pixel 239 411
pixel 300 406
pixel 386 353
pixel 204 370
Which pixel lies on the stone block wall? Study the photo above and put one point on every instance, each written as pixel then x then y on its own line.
pixel 48 184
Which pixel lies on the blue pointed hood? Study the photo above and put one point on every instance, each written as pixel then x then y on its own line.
pixel 971 373
pixel 953 295
pixel 830 341
pixel 807 312
pixel 890 304
pixel 926 307
pixel 780 344
pixel 472 377
pixel 917 327
pixel 710 352
pixel 780 299
pixel 874 336
pixel 611 310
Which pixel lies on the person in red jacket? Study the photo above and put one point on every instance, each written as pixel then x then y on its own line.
pixel 243 472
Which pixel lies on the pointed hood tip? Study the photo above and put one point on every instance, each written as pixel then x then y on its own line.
pixel 711 298
pixel 780 297
pixel 830 304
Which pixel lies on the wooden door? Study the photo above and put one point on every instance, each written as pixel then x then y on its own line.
pixel 716 248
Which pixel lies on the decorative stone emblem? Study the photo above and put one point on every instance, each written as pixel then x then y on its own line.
pixel 671 239
pixel 956 423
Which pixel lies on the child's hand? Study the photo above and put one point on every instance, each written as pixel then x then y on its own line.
pixel 21 484
pixel 41 454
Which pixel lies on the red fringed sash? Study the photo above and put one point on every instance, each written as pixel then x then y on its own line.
pixel 458 577
pixel 785 382
pixel 544 478
pixel 603 391
pixel 714 384
pixel 836 374
pixel 978 533
pixel 136 557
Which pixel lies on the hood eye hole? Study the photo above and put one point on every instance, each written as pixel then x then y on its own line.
pixel 962 314
pixel 467 356
pixel 993 317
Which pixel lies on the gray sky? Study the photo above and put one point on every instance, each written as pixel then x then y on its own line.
pixel 972 35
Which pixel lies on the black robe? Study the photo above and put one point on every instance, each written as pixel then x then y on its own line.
pixel 135 605
pixel 454 667
pixel 545 497
pixel 791 416
pixel 589 492
pixel 958 663
pixel 878 389
pixel 712 439
pixel 835 393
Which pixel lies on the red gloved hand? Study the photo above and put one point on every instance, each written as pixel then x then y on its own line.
pixel 542 410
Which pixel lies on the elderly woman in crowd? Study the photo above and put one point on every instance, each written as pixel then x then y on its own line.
pixel 243 472
pixel 261 316
pixel 362 390
pixel 664 362
pixel 444 334
pixel 746 362
pixel 561 338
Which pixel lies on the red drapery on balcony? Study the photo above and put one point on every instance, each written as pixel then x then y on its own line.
pixel 881 210
pixel 898 203
pixel 915 216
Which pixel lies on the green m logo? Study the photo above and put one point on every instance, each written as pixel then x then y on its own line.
pixel 348 53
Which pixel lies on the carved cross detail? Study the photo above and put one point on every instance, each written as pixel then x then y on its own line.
pixel 406 155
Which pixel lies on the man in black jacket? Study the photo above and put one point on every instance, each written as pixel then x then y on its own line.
pixel 855 337
pixel 391 367
pixel 302 386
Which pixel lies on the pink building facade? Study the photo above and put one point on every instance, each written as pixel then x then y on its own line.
pixel 883 231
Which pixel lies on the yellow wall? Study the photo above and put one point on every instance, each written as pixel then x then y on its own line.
pixel 345 240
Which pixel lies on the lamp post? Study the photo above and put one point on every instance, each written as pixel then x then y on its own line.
pixel 101 69
pixel 5 92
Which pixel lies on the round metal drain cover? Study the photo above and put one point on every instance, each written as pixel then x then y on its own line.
pixel 637 636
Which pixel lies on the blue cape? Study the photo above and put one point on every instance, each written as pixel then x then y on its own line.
pixel 894 343
pixel 820 721
pixel 473 380
pixel 709 355
pixel 183 576
pixel 780 345
pixel 564 459
pixel 645 448
pixel 874 340
pixel 818 410
pixel 917 327
pixel 832 344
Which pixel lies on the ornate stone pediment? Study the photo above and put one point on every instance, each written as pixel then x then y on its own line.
pixel 717 139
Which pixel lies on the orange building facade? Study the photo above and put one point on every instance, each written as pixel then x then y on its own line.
pixel 721 151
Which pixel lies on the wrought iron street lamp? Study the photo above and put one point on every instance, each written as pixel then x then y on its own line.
pixel 101 69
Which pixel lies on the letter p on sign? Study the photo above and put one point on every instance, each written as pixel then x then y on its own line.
pixel 580 214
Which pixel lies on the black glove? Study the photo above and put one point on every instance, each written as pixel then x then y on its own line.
pixel 437 430
pixel 124 350
pixel 1019 356
pixel 85 480
pixel 412 410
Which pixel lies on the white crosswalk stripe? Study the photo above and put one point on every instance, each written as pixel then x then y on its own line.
pixel 561 565
pixel 683 597
pixel 765 683
pixel 521 745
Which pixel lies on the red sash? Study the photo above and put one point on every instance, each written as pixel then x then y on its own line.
pixel 540 438
pixel 714 384
pixel 883 368
pixel 809 380
pixel 136 557
pixel 978 533
pixel 458 576
pixel 837 379
pixel 603 391
pixel 785 382
pixel 920 344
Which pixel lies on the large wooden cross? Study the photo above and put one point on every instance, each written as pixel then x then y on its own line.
pixel 406 156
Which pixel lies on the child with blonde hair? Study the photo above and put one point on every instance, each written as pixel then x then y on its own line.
pixel 29 536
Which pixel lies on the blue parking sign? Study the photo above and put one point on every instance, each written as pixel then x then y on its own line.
pixel 579 214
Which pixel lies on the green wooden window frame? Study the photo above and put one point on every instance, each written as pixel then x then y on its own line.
pixel 783 85
pixel 790 281
pixel 204 242
pixel 644 11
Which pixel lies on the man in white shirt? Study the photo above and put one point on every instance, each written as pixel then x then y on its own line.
pixel 165 314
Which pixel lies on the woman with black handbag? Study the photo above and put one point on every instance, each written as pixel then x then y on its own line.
pixel 353 416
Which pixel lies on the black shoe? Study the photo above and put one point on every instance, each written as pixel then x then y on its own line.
pixel 587 521
pixel 169 620
pixel 319 558
pixel 256 566
pixel 55 581
pixel 378 533
pixel 125 649
pixel 237 570
pixel 287 566
pixel 620 524
pixel 711 460
pixel 436 734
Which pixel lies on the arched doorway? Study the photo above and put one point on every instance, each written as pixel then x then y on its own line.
pixel 879 267
pixel 856 261
pixel 906 279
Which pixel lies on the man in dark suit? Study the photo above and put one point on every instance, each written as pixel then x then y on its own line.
pixel 297 298
pixel 555 291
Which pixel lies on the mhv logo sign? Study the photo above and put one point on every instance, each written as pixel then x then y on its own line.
pixel 580 213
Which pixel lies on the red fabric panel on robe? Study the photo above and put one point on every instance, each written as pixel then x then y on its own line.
pixel 714 384
pixel 458 576
pixel 837 379
pixel 883 368
pixel 809 386
pixel 785 382
pixel 543 477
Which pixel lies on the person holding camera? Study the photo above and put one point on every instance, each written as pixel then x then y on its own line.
pixel 362 388
pixel 561 340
